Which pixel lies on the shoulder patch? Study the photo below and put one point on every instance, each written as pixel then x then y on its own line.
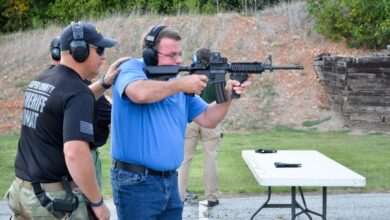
pixel 86 127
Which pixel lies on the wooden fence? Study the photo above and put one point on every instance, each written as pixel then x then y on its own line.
pixel 358 88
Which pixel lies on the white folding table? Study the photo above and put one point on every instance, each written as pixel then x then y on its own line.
pixel 316 170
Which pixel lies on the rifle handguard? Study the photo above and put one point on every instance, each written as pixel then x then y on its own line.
pixel 245 67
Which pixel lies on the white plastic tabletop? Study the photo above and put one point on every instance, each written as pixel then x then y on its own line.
pixel 316 170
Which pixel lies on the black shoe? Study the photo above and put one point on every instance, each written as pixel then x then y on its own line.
pixel 190 196
pixel 212 203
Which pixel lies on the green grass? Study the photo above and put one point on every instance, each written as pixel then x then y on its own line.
pixel 8 146
pixel 368 155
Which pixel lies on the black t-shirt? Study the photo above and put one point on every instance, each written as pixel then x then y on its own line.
pixel 58 107
pixel 101 121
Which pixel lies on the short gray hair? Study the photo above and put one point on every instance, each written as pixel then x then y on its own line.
pixel 164 33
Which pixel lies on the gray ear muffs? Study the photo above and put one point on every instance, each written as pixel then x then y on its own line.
pixel 149 53
pixel 78 47
pixel 55 50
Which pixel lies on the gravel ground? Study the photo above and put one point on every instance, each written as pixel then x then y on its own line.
pixel 370 206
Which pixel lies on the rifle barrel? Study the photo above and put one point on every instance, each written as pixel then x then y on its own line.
pixel 257 67
pixel 286 67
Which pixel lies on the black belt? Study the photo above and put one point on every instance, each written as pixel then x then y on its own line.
pixel 140 169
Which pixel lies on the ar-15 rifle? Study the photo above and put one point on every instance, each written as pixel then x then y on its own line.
pixel 216 70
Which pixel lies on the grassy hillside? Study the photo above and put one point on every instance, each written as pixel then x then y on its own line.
pixel 277 98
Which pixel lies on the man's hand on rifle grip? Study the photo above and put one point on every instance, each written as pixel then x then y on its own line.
pixel 237 87
pixel 193 84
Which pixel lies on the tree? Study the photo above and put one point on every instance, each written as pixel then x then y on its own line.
pixel 361 23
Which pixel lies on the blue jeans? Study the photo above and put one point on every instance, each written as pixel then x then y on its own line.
pixel 145 196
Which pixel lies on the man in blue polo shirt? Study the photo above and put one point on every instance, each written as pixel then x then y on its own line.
pixel 149 120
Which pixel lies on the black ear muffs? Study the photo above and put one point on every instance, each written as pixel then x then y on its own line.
pixel 149 53
pixel 78 47
pixel 55 50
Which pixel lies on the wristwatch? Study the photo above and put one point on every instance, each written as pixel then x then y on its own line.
pixel 103 84
pixel 95 205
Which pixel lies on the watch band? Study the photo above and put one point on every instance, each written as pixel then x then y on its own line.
pixel 95 205
pixel 103 84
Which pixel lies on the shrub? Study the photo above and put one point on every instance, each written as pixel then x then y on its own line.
pixel 361 23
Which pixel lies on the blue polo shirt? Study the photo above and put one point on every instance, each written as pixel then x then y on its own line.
pixel 152 134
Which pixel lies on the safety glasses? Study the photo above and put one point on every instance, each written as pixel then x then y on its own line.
pixel 173 56
pixel 99 50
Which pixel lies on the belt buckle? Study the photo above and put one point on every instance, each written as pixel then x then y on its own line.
pixel 164 174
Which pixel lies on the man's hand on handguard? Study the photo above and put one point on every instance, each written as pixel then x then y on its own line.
pixel 193 83
pixel 239 88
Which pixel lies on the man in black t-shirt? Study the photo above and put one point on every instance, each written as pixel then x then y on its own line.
pixel 102 113
pixel 57 128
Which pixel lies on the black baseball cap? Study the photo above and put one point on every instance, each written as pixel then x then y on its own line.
pixel 91 35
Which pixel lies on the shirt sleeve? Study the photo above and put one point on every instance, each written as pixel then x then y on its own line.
pixel 197 106
pixel 78 118
pixel 103 111
pixel 131 71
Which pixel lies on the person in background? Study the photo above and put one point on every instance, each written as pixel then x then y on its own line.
pixel 54 169
pixel 55 51
pixel 149 119
pixel 211 138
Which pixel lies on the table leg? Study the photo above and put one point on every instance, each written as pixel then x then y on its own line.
pixel 265 204
pixel 293 202
pixel 324 206
pixel 307 211
pixel 304 208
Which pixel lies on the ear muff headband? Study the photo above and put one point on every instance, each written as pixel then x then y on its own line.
pixel 149 53
pixel 152 35
pixel 78 47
